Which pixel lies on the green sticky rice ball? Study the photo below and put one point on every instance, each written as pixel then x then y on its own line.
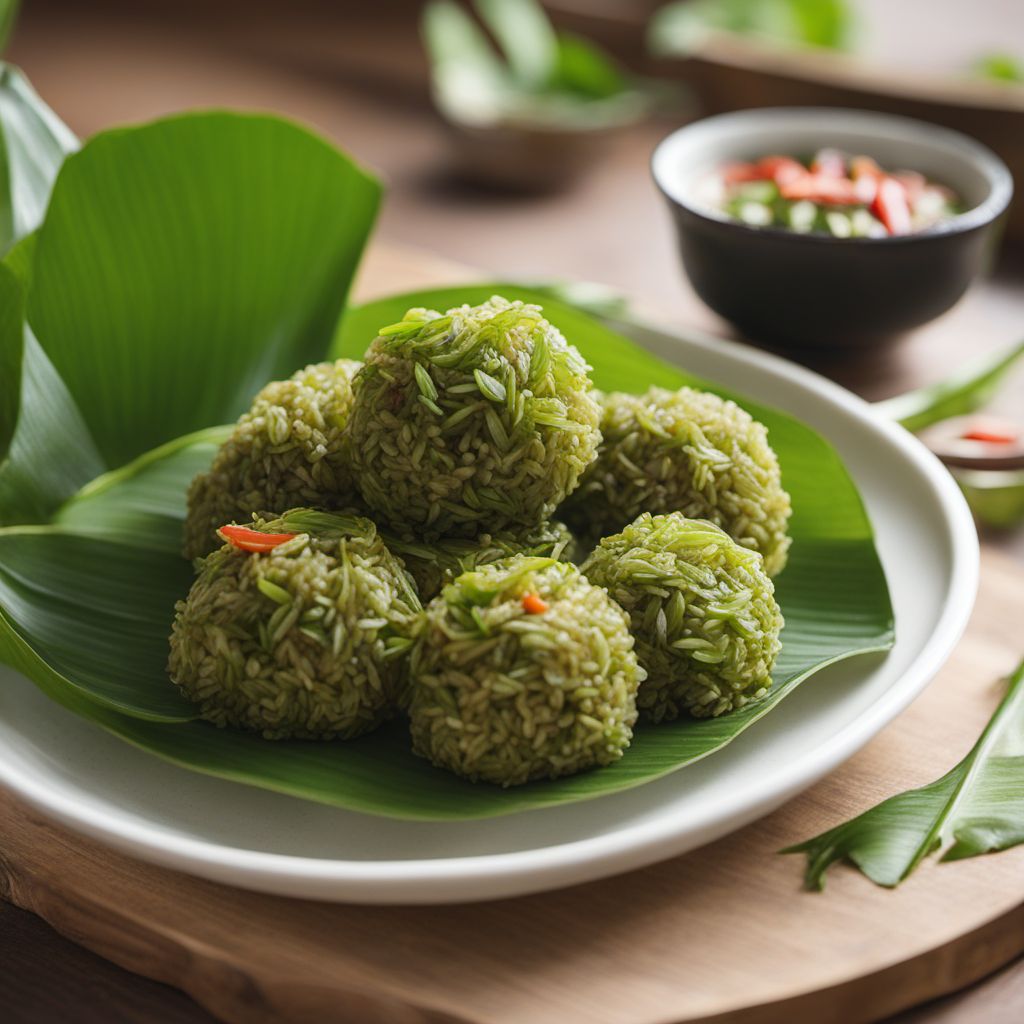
pixel 287 450
pixel 522 670
pixel 684 451
pixel 478 420
pixel 435 564
pixel 702 609
pixel 308 640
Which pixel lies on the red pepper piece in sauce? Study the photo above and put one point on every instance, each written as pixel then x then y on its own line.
pixel 891 207
pixel 865 167
pixel 819 189
pixel 252 540
pixel 736 174
pixel 783 170
pixel 991 435
pixel 866 175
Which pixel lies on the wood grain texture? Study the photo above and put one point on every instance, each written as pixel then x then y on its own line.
pixel 88 990
pixel 996 1001
pixel 724 933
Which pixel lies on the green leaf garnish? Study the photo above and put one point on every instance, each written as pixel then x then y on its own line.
pixel 975 808
pixel 479 589
pixel 270 589
pixel 489 387
pixel 540 362
pixel 425 382
pixel 403 327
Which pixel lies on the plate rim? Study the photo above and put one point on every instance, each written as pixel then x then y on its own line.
pixel 446 880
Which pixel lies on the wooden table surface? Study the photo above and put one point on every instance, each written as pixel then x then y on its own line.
pixel 99 68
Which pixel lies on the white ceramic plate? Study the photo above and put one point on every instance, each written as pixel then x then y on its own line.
pixel 101 786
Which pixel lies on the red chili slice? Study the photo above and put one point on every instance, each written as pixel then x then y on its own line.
pixel 534 604
pixel 991 435
pixel 819 189
pixel 865 167
pixel 252 540
pixel 736 174
pixel 891 207
pixel 782 170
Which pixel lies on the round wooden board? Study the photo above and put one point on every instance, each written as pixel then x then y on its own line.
pixel 725 933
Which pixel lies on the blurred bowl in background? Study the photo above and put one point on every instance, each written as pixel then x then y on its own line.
pixel 813 291
pixel 527 157
pixel 528 108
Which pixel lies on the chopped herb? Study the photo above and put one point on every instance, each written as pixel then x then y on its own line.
pixel 270 589
pixel 489 387
pixel 425 382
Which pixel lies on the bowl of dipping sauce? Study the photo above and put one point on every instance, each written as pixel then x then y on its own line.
pixel 824 228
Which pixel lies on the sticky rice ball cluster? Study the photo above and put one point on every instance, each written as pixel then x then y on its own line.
pixel 685 451
pixel 377 539
pixel 702 609
pixel 303 638
pixel 523 670
pixel 481 419
pixel 287 450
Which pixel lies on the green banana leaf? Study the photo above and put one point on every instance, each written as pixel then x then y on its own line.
pixel 8 16
pixel 975 808
pixel 11 354
pixel 86 599
pixel 217 243
pixel 33 145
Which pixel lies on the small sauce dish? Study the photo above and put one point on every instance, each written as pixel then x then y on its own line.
pixel 812 291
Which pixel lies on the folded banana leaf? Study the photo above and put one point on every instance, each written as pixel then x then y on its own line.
pixel 180 266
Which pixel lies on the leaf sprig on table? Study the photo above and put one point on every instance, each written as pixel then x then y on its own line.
pixel 965 390
pixel 975 808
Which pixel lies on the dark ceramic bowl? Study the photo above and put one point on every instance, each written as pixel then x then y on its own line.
pixel 806 291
